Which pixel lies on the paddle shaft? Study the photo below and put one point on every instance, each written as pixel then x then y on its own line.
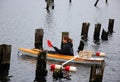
pixel 69 60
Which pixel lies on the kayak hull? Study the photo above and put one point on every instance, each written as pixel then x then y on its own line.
pixel 60 56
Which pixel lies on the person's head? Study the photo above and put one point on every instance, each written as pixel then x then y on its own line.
pixel 66 39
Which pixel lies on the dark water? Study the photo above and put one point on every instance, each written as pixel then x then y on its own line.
pixel 20 18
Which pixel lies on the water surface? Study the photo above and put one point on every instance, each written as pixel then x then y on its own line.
pixel 20 18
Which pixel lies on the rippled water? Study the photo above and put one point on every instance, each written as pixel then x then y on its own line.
pixel 20 18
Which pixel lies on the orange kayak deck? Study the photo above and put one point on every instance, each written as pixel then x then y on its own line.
pixel 60 56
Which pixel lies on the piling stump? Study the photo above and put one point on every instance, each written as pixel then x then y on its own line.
pixel 52 4
pixel 49 3
pixel 106 1
pixel 81 46
pixel 97 31
pixel 5 54
pixel 84 33
pixel 96 3
pixel 39 39
pixel 96 74
pixel 63 35
pixel 41 71
pixel 104 35
pixel 110 26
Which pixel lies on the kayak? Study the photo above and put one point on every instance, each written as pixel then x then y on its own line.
pixel 57 56
pixel 30 51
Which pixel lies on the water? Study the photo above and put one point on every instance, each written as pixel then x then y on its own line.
pixel 20 18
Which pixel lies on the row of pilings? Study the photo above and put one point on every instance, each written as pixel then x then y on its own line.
pixel 96 35
pixel 97 29
pixel 50 3
pixel 96 73
pixel 84 34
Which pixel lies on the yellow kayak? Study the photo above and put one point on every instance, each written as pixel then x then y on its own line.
pixel 60 56
pixel 30 51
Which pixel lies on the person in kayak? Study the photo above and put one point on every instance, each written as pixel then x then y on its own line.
pixel 67 47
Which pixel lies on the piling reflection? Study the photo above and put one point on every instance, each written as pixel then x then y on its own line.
pixel 4 72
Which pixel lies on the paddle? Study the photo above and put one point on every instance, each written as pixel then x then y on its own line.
pixel 70 60
pixel 49 43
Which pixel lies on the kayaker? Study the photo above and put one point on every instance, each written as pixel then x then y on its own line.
pixel 67 47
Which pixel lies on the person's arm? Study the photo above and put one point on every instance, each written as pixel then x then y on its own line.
pixel 62 50
pixel 66 50
pixel 57 50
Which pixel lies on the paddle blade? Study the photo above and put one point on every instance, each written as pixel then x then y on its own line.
pixel 49 43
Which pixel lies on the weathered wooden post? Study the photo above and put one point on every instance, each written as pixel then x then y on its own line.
pixel 5 54
pixel 52 4
pixel 96 74
pixel 106 1
pixel 81 46
pixel 39 38
pixel 63 35
pixel 97 31
pixel 92 73
pixel 49 3
pixel 104 35
pixel 110 26
pixel 84 33
pixel 96 2
pixel 41 71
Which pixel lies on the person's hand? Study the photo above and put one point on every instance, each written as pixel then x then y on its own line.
pixel 49 43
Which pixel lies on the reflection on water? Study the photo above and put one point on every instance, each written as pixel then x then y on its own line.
pixel 4 73
pixel 27 58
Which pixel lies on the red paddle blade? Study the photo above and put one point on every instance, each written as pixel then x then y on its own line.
pixel 49 43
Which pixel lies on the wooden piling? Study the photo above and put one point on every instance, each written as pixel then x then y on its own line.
pixel 97 31
pixel 41 71
pixel 96 2
pixel 63 35
pixel 96 73
pixel 84 32
pixel 106 1
pixel 92 73
pixel 49 3
pixel 81 46
pixel 39 39
pixel 52 4
pixel 104 35
pixel 110 26
pixel 5 54
pixel 70 1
